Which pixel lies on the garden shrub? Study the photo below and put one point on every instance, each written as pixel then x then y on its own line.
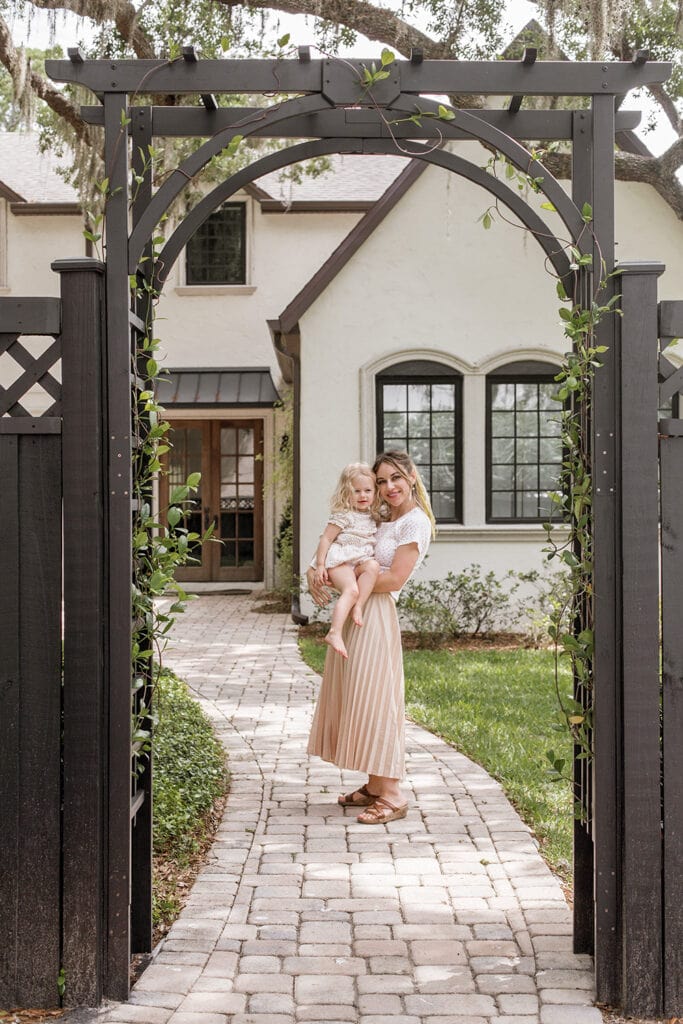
pixel 189 771
pixel 467 602
pixel 471 603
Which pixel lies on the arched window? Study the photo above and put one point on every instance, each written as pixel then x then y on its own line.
pixel 523 443
pixel 419 410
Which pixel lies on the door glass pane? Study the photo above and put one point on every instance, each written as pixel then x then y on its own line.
pixel 238 476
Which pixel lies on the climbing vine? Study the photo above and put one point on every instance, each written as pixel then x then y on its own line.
pixel 584 306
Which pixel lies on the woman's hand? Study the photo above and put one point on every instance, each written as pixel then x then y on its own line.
pixel 321 577
pixel 317 590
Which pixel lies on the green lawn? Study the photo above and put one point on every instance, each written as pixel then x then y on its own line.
pixel 498 707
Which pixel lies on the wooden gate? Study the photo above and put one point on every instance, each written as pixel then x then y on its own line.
pixel 65 873
pixel 629 848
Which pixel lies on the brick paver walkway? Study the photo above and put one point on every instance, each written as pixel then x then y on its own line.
pixel 449 916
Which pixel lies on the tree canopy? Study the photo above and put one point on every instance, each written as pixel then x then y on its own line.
pixel 459 29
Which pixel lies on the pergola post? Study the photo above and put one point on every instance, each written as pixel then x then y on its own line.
pixel 119 498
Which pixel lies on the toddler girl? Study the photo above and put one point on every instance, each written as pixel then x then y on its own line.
pixel 343 558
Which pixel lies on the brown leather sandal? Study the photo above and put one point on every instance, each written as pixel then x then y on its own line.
pixel 381 811
pixel 363 795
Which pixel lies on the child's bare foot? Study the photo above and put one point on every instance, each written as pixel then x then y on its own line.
pixel 357 614
pixel 335 641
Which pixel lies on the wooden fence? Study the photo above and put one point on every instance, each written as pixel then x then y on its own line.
pixel 64 902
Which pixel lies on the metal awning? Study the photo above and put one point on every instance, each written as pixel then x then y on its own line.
pixel 236 386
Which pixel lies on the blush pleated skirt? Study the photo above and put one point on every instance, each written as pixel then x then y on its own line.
pixel 359 721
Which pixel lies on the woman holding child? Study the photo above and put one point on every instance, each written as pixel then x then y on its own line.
pixel 359 720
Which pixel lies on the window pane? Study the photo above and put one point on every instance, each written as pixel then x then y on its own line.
pixel 443 397
pixel 502 424
pixel 549 477
pixel 443 450
pixel 527 449
pixel 395 444
pixel 418 397
pixel 443 424
pixel 426 474
pixel 526 396
pixel 443 477
pixel 545 397
pixel 443 503
pixel 502 449
pixel 527 424
pixel 551 449
pixel 418 424
pixel 550 425
pixel 246 441
pixel 228 441
pixel 529 508
pixel 395 424
pixel 395 397
pixel 526 476
pixel 419 450
pixel 502 396
pixel 228 469
pixel 503 478
pixel 246 470
pixel 503 505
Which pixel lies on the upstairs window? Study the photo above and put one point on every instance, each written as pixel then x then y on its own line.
pixel 524 447
pixel 419 410
pixel 217 252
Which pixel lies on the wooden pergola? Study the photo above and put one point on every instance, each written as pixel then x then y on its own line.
pixel 626 916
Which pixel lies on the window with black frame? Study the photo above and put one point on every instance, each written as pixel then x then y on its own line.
pixel 524 446
pixel 217 252
pixel 419 410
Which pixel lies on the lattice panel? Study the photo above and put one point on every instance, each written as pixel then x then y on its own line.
pixel 29 384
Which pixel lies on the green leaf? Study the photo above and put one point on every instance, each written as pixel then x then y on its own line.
pixel 283 40
pixel 561 291
pixel 587 212
pixel 548 206
pixel 387 57
pixel 179 494
pixel 445 114
pixel 193 479
pixel 174 516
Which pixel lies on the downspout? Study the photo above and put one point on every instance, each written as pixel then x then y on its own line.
pixel 288 351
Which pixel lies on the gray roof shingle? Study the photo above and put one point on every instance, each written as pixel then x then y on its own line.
pixel 30 173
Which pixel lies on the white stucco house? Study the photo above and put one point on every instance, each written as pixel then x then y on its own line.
pixel 407 324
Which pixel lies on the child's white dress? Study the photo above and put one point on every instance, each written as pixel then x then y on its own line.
pixel 355 543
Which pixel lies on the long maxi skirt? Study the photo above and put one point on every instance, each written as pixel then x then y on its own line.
pixel 359 721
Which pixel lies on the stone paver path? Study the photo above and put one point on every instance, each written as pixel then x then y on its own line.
pixel 449 916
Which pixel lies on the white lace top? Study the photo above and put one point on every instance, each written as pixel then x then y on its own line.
pixel 412 528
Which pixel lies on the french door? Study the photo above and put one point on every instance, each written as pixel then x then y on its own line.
pixel 228 454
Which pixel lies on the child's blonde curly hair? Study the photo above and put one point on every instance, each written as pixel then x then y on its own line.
pixel 342 499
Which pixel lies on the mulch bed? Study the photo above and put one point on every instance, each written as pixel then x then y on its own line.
pixel 416 641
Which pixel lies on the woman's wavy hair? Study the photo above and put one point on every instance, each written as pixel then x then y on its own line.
pixel 342 499
pixel 403 463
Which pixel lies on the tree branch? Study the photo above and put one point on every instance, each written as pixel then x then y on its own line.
pixel 12 60
pixel 377 23
pixel 122 13
pixel 659 172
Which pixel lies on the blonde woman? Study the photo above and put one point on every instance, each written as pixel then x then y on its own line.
pixel 359 721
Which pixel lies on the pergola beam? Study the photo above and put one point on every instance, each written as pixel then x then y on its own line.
pixel 493 78
pixel 179 122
